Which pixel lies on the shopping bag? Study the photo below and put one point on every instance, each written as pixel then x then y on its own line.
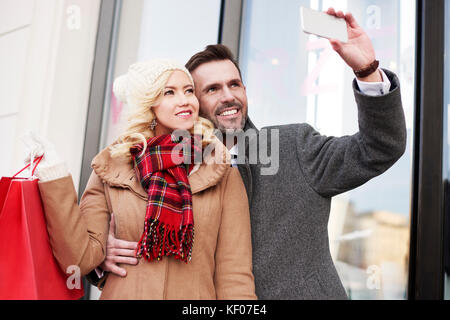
pixel 28 269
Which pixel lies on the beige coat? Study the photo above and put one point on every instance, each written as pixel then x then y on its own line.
pixel 221 265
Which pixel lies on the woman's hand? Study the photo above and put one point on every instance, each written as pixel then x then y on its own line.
pixel 51 167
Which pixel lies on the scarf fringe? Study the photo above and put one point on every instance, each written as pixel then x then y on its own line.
pixel 160 239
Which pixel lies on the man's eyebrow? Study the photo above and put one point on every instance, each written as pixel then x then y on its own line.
pixel 215 84
pixel 210 85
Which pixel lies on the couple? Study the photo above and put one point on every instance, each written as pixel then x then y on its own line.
pixel 208 204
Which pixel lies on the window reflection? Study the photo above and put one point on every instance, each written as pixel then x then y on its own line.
pixel 304 80
pixel 150 29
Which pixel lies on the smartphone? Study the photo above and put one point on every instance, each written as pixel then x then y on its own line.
pixel 323 25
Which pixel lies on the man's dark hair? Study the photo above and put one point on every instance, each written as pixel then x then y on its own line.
pixel 213 52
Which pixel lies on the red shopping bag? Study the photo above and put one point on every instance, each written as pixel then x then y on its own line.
pixel 28 269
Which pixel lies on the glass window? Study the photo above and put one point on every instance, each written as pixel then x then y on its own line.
pixel 306 81
pixel 150 29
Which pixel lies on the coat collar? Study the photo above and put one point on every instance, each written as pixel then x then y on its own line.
pixel 119 172
pixel 244 168
pixel 249 125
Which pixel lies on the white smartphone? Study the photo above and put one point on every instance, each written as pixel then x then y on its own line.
pixel 323 25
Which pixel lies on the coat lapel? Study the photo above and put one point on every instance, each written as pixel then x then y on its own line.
pixel 246 174
pixel 244 169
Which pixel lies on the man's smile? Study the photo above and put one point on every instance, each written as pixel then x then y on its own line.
pixel 230 113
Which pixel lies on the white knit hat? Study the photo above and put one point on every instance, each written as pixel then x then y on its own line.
pixel 143 74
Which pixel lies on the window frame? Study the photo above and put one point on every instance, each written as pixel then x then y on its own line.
pixel 107 33
pixel 426 273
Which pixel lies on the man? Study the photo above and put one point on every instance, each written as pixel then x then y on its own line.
pixel 290 209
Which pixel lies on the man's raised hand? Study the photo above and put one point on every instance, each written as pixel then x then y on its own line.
pixel 358 52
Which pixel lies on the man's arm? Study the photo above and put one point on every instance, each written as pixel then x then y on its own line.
pixel 375 88
pixel 334 165
pixel 117 251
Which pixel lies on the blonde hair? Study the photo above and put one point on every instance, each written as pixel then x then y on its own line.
pixel 141 89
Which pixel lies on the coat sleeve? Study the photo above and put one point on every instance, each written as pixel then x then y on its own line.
pixel 334 165
pixel 233 275
pixel 77 234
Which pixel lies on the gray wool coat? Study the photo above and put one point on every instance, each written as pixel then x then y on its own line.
pixel 290 210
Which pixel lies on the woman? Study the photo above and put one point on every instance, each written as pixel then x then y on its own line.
pixel 191 220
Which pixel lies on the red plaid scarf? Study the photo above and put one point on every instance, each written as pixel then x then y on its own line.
pixel 169 219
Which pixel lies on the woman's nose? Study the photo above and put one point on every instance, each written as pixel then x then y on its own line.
pixel 182 100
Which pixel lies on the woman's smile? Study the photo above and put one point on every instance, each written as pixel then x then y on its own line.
pixel 185 114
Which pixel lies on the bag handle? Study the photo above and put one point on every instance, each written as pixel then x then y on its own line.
pixel 37 160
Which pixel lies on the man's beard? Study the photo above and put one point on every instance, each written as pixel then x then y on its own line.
pixel 219 110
